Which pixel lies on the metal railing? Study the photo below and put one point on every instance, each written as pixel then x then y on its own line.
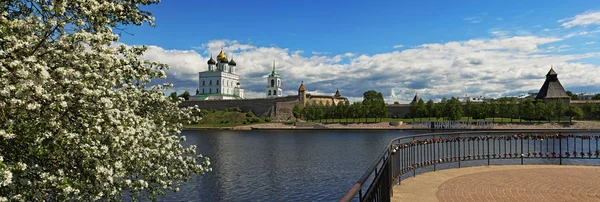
pixel 411 155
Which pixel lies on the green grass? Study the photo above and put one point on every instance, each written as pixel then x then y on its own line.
pixel 225 118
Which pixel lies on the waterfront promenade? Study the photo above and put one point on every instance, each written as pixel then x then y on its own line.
pixel 504 183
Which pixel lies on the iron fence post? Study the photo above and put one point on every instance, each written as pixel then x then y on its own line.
pixel 458 138
pixel 560 150
pixel 434 157
pixel 414 166
pixel 522 155
pixel 488 147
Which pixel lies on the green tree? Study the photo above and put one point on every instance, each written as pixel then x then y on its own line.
pixel 327 111
pixel 413 110
pixel 358 110
pixel 528 110
pixel 373 104
pixel 478 110
pixel 596 97
pixel 431 109
pixel 468 109
pixel 351 111
pixel 441 109
pixel 589 111
pixel 421 109
pixel 572 95
pixel 396 103
pixel 297 111
pixel 339 111
pixel 512 108
pixel 347 110
pixel 250 114
pixel 484 110
pixel 454 109
pixel 493 110
pixel 574 112
pixel 310 111
pixel 320 111
pixel 543 111
pixel 81 118
pixel 558 108
pixel 173 96
pixel 185 95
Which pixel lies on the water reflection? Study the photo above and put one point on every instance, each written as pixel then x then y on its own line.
pixel 281 165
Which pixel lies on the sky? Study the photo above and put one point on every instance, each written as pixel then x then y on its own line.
pixel 399 48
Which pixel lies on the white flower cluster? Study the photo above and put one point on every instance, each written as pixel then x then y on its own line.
pixel 78 119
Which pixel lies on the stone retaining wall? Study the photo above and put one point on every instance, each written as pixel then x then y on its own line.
pixel 263 107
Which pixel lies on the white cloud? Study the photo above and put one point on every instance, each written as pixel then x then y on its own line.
pixel 581 33
pixel 320 53
pixel 399 46
pixel 186 62
pixel 473 19
pixel 584 19
pixel 589 43
pixel 499 33
pixel 481 67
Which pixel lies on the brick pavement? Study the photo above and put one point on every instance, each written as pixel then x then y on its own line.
pixel 504 183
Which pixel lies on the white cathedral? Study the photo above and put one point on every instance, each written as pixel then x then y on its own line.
pixel 220 81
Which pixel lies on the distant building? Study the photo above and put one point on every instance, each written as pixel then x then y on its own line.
pixel 273 84
pixel 220 82
pixel 583 96
pixel 307 98
pixel 472 99
pixel 552 90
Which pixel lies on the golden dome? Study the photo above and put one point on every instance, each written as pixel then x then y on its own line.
pixel 222 56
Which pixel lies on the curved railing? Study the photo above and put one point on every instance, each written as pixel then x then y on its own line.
pixel 412 155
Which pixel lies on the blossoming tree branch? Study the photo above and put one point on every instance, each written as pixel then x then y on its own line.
pixel 78 117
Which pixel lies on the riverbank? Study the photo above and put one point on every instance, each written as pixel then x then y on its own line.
pixel 576 125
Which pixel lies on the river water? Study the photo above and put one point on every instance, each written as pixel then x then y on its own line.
pixel 281 165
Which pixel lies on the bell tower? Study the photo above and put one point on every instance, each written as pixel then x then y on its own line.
pixel 273 84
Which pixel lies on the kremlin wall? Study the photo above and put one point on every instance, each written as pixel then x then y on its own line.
pixel 219 88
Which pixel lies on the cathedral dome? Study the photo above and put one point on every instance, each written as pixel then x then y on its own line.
pixel 211 61
pixel 231 62
pixel 222 57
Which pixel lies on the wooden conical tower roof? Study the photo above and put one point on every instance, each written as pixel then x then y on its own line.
pixel 552 89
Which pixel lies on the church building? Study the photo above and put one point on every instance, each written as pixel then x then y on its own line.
pixel 273 84
pixel 220 82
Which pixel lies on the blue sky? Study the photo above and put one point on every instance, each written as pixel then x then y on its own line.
pixel 357 45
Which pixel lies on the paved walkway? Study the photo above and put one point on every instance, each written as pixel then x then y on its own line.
pixel 504 183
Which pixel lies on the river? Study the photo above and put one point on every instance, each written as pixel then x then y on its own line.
pixel 281 165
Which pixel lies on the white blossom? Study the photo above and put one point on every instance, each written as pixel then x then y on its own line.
pixel 21 166
pixel 74 95
pixel 6 178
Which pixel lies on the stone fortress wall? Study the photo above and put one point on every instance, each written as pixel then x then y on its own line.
pixel 398 110
pixel 263 107
pixel 276 108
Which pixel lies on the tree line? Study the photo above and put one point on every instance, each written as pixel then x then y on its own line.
pixel 372 106
pixel 453 109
